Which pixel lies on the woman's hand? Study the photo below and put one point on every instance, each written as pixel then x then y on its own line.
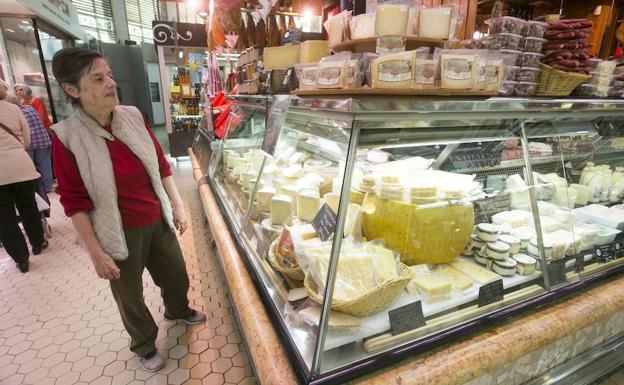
pixel 105 267
pixel 179 219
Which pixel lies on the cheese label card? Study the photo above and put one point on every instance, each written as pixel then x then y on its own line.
pixel 490 293
pixel 286 248
pixel 556 272
pixel 291 36
pixel 579 264
pixel 390 44
pixel 406 318
pixel 486 207
pixel 324 222
pixel 275 120
pixel 604 253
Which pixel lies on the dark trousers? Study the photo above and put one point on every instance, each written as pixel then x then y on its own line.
pixel 22 196
pixel 156 248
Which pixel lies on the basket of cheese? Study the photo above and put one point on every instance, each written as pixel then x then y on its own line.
pixel 368 280
pixel 282 256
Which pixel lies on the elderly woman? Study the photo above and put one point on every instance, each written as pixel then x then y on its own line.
pixel 18 179
pixel 25 94
pixel 117 187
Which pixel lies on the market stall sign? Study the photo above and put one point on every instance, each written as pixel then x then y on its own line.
pixel 186 34
pixel 406 318
pixel 324 222
pixel 490 293
pixel 60 13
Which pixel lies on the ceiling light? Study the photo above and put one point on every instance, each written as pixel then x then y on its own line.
pixel 181 54
pixel 9 30
pixel 203 14
pixel 25 21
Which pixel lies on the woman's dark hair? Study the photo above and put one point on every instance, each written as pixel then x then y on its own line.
pixel 70 64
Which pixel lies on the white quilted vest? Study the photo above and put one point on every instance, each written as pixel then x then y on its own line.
pixel 84 137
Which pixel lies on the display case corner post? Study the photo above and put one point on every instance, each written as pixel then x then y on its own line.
pixel 335 250
pixel 520 126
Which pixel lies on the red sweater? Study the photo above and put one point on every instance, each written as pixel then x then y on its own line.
pixel 39 105
pixel 137 201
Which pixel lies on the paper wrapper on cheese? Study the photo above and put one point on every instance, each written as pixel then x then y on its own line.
pixel 494 71
pixel 413 20
pixel 458 70
pixel 362 26
pixel 435 23
pixel 336 27
pixel 361 267
pixel 426 73
pixel 332 70
pixel 391 19
pixel 307 75
pixel 430 235
pixel 393 70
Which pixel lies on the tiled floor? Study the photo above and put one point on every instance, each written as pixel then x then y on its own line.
pixel 59 323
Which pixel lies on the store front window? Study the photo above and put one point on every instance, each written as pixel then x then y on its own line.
pixel 22 60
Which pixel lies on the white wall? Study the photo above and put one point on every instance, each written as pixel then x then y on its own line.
pixel 158 108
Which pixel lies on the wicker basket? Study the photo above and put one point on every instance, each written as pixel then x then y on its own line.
pixel 275 261
pixel 554 82
pixel 371 302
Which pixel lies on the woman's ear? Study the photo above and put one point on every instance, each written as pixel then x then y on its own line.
pixel 71 90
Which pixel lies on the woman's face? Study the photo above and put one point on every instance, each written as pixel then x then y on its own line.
pixel 97 89
pixel 19 92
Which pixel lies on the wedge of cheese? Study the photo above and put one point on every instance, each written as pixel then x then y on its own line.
pixel 475 271
pixel 280 58
pixel 311 51
pixel 459 280
pixel 433 285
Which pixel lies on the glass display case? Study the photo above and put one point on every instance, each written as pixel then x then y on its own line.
pixel 451 214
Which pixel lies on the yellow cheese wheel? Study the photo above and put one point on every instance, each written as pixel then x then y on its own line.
pixel 431 235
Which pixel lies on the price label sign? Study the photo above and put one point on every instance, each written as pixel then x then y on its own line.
pixel 486 207
pixel 292 36
pixel 406 318
pixel 556 272
pixel 490 293
pixel 324 222
pixel 604 253
pixel 390 44
pixel 275 120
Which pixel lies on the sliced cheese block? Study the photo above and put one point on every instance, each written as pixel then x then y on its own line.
pixel 306 232
pixel 333 200
pixel 290 190
pixel 459 280
pixel 582 192
pixel 281 210
pixel 280 58
pixel 391 19
pixel 433 285
pixel 308 205
pixel 475 271
pixel 434 23
pixel 311 51
pixel 353 223
pixel 263 199
pixel 393 70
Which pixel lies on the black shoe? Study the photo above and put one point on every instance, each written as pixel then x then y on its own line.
pixel 37 249
pixel 23 266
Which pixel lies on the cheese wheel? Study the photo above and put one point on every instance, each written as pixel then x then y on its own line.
pixel 391 19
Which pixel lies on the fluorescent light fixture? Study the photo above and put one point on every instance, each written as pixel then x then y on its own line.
pixel 203 14
pixel 9 30
pixel 181 54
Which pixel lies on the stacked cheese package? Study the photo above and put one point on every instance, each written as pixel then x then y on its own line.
pixel 341 71
pixel 602 83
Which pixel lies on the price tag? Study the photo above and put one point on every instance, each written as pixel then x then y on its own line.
pixel 287 77
pixel 249 230
pixel 324 222
pixel 618 248
pixel 579 264
pixel 490 293
pixel 406 318
pixel 486 207
pixel 292 36
pixel 275 120
pixel 390 44
pixel 604 253
pixel 556 272
pixel 263 248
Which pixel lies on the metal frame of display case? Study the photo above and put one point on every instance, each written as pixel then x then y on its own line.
pixel 370 120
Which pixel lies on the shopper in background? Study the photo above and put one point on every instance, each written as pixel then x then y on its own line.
pixel 118 189
pixel 40 149
pixel 17 186
pixel 25 94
